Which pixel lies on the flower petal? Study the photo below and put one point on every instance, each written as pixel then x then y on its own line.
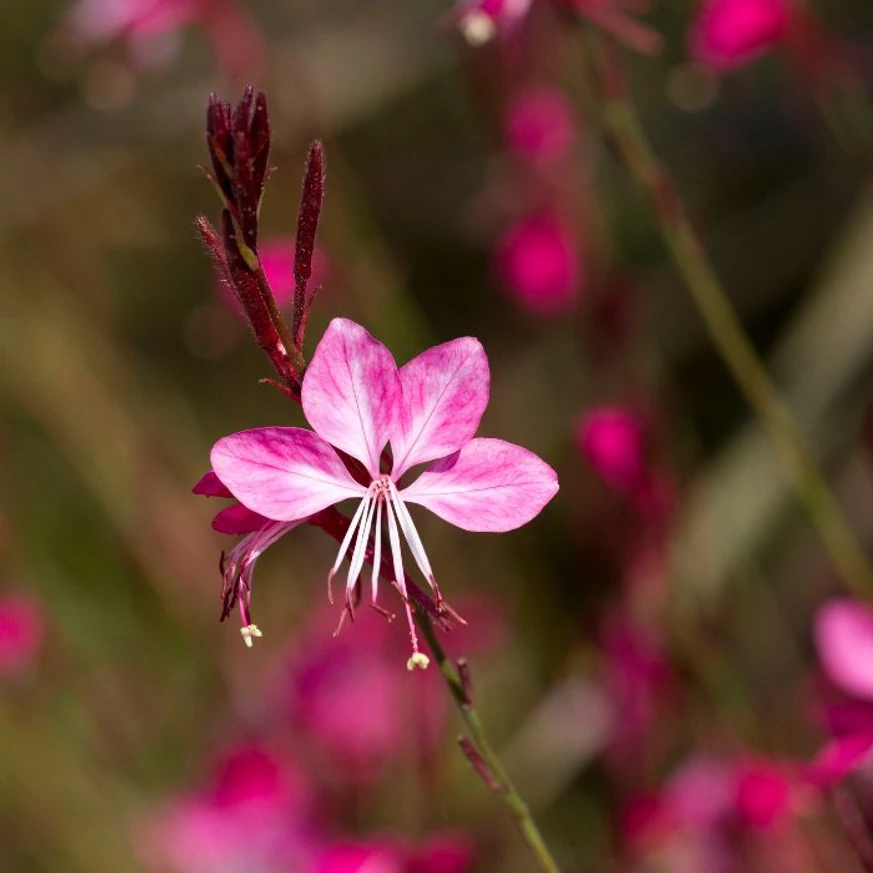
pixel 351 391
pixel 489 485
pixel 238 519
pixel 844 639
pixel 283 473
pixel 445 392
pixel 209 485
pixel 839 758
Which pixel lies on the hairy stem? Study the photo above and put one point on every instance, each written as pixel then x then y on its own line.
pixel 724 325
pixel 500 782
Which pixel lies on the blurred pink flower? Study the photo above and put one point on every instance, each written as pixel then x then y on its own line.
pixel 448 852
pixel 706 809
pixel 346 695
pixel 253 816
pixel 612 440
pixel 843 634
pixel 537 260
pixel 727 34
pixel 358 401
pixel 479 21
pixel 151 30
pixel 765 792
pixel 638 678
pixel 22 628
pixel 540 124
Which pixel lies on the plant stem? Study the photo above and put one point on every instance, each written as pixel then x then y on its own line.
pixel 724 326
pixel 336 523
pixel 501 784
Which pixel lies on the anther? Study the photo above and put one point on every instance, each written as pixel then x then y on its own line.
pixel 249 632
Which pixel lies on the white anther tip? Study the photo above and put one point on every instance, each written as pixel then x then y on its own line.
pixel 249 632
pixel 478 28
pixel 417 660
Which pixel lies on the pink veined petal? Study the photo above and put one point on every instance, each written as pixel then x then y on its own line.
pixel 444 394
pixel 844 639
pixel 209 485
pixel 839 758
pixel 351 392
pixel 238 519
pixel 489 485
pixel 283 473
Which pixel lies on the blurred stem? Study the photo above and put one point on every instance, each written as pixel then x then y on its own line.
pixel 724 326
pixel 500 781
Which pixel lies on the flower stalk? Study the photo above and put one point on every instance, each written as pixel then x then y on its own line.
pixel 723 323
pixel 238 140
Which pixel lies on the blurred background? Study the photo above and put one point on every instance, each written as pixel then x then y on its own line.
pixel 650 655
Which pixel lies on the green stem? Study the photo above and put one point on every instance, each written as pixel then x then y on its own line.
pixel 725 327
pixel 502 784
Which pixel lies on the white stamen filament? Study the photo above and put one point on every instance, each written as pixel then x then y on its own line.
pixel 377 547
pixel 411 533
pixel 400 579
pixel 357 562
pixel 344 546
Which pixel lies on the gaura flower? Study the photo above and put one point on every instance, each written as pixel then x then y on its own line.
pixel 537 261
pixel 727 34
pixel 358 402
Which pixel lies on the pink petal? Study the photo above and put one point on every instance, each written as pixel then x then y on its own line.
pixel 283 473
pixel 351 391
pixel 729 33
pixel 489 485
pixel 844 639
pixel 238 519
pixel 22 629
pixel 209 485
pixel 838 759
pixel 445 392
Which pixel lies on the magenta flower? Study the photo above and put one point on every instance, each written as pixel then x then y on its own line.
pixel 727 34
pixel 22 627
pixel 151 30
pixel 613 441
pixel 538 261
pixel 447 852
pixel 843 635
pixel 358 401
pixel 540 125
pixel 252 816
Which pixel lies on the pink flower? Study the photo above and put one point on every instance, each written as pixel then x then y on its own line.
pixel 638 679
pixel 448 852
pixel 613 441
pixel 358 402
pixel 252 817
pixel 352 704
pixel 152 29
pixel 540 125
pixel 843 634
pixel 22 627
pixel 727 34
pixel 538 262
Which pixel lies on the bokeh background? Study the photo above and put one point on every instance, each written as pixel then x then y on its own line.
pixel 659 611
